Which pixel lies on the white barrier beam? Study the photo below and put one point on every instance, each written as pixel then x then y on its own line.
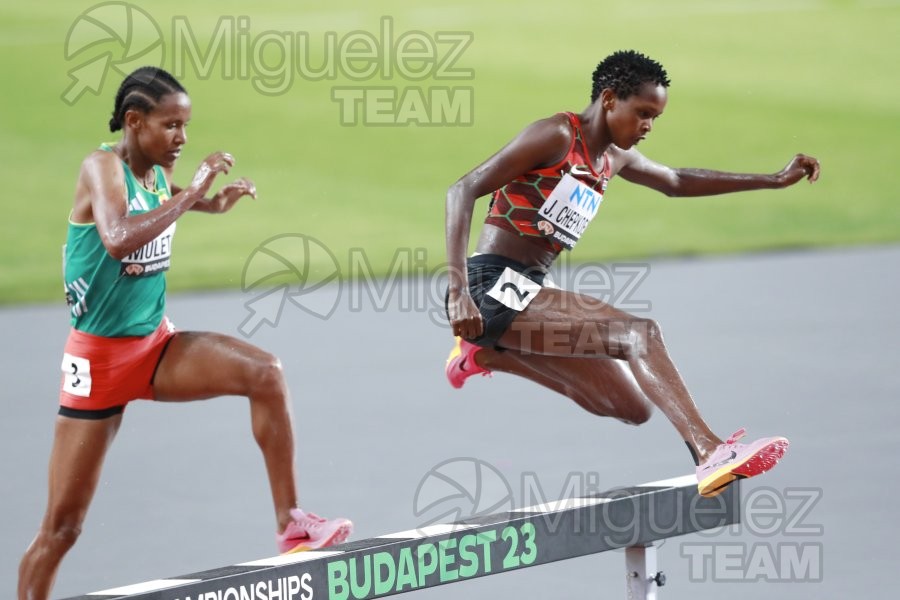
pixel 630 517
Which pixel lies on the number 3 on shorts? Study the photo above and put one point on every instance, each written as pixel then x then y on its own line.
pixel 514 290
pixel 76 375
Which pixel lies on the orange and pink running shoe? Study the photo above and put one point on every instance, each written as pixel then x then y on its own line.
pixel 732 461
pixel 461 363
pixel 308 531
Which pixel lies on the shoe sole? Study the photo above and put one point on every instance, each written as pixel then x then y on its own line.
pixel 339 536
pixel 756 464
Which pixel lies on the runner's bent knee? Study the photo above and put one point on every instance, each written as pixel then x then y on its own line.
pixel 266 376
pixel 637 413
pixel 63 530
pixel 639 337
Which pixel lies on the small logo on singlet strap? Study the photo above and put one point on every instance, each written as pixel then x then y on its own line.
pixel 580 170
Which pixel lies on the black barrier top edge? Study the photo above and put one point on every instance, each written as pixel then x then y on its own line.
pixel 562 544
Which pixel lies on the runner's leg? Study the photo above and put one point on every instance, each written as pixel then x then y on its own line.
pixel 199 365
pixel 79 447
pixel 562 324
pixel 604 387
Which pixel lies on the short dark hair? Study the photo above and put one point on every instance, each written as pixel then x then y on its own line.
pixel 142 89
pixel 624 72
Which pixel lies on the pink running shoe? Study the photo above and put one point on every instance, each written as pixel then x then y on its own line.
pixel 461 363
pixel 307 531
pixel 732 461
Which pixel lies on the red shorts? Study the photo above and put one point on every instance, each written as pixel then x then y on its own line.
pixel 100 375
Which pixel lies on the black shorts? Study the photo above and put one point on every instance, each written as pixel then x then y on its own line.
pixel 501 289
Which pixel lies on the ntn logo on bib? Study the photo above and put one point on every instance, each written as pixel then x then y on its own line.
pixel 568 210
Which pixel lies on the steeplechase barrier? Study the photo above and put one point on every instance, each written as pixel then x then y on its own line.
pixel 631 517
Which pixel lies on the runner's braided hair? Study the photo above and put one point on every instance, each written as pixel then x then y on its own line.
pixel 142 90
pixel 624 72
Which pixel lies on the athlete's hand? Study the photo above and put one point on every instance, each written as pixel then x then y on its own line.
pixel 215 163
pixel 800 166
pixel 228 196
pixel 465 318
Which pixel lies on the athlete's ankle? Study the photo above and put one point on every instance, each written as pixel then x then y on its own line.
pixel 695 456
pixel 702 448
pixel 283 521
pixel 481 359
pixel 486 358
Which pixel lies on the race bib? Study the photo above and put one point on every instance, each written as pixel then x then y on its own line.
pixel 153 257
pixel 76 375
pixel 568 211
pixel 514 290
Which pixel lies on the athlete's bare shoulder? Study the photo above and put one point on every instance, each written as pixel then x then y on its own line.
pixel 101 168
pixel 101 176
pixel 556 127
pixel 549 138
pixel 98 162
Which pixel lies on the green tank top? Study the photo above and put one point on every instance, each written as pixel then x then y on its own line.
pixel 119 298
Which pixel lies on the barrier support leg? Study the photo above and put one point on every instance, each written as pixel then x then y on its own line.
pixel 641 577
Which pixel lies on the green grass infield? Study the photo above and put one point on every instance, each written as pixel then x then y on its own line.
pixel 354 118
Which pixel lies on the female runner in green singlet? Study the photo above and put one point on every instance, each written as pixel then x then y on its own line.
pixel 121 347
